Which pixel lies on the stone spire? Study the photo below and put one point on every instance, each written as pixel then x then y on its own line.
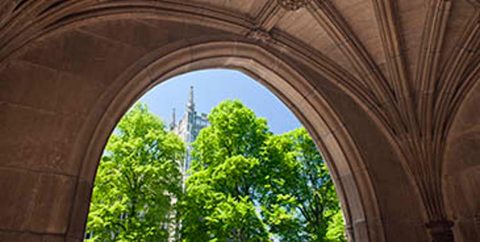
pixel 173 124
pixel 190 104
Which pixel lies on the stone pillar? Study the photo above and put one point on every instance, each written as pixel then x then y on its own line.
pixel 441 230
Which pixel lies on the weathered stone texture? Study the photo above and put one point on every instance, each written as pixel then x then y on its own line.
pixel 388 89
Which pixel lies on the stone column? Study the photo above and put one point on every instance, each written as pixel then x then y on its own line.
pixel 441 230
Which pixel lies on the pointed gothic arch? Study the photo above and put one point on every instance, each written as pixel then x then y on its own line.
pixel 385 88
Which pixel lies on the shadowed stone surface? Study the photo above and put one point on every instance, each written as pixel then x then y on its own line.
pixel 388 90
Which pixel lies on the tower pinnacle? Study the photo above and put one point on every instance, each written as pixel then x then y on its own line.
pixel 173 124
pixel 191 104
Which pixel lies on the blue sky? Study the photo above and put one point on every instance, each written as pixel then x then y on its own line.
pixel 213 86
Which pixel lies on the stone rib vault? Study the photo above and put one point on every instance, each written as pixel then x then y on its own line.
pixel 388 89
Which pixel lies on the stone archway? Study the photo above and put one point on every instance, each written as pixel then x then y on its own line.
pixel 341 154
pixel 381 102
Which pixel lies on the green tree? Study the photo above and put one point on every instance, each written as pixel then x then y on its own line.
pixel 336 228
pixel 298 197
pixel 138 181
pixel 220 190
pixel 247 184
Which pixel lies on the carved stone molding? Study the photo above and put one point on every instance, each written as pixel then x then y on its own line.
pixel 475 3
pixel 260 35
pixel 412 96
pixel 269 16
pixel 293 5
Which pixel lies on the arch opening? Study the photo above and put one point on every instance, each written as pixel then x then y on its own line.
pixel 291 87
pixel 288 211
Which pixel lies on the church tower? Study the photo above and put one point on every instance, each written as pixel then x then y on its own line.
pixel 188 129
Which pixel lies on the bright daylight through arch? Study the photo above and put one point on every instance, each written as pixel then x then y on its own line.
pixel 212 155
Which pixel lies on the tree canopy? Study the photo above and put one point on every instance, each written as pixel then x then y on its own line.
pixel 247 184
pixel 137 182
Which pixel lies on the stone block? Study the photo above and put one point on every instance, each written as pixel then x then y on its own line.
pixel 38 139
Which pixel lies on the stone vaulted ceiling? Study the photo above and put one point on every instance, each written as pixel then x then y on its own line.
pixel 412 66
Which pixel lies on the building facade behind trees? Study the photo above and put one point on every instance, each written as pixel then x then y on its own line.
pixel 188 129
